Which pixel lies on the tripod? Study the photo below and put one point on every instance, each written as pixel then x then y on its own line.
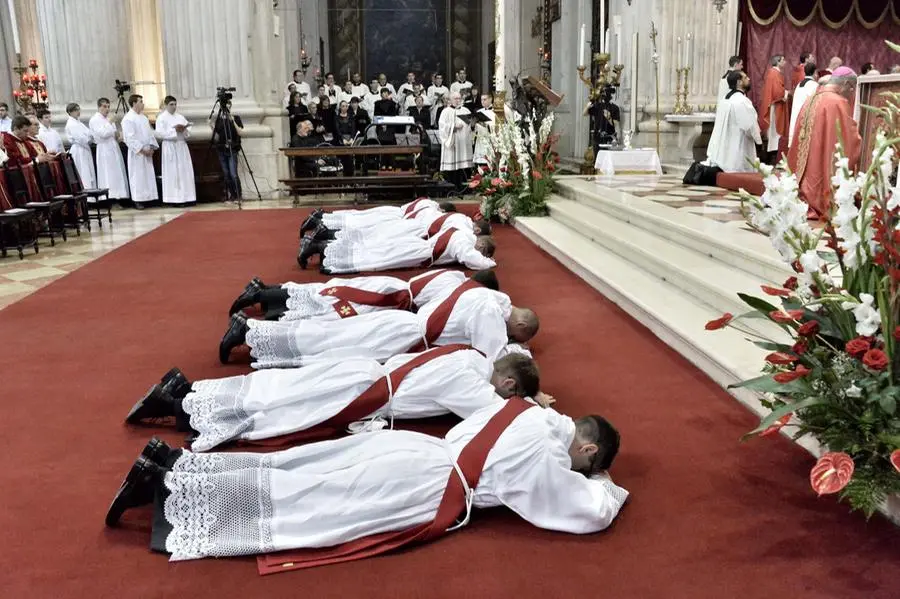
pixel 121 104
pixel 227 143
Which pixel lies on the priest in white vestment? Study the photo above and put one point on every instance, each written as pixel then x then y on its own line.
pixel 271 403
pixel 732 145
pixel 80 137
pixel 141 144
pixel 804 90
pixel 47 134
pixel 177 168
pixel 111 172
pixel 456 141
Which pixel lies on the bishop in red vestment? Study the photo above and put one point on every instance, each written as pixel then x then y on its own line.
pixel 773 109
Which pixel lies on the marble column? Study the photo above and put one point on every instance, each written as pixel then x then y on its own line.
pixel 82 62
pixel 230 43
pixel 147 53
pixel 564 78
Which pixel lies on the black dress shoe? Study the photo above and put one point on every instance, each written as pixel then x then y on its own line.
pixel 323 233
pixel 311 221
pixel 157 451
pixel 156 403
pixel 176 384
pixel 137 489
pixel 139 206
pixel 234 336
pixel 307 250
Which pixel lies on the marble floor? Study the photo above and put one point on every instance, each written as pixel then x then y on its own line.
pixel 20 278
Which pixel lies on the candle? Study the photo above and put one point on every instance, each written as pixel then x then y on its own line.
pixel 606 41
pixel 634 75
pixel 581 43
pixel 15 27
pixel 602 25
pixel 689 50
pixel 619 46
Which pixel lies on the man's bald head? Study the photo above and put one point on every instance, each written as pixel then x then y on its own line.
pixel 834 63
pixel 522 325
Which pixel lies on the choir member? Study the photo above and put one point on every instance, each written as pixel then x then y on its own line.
pixel 80 137
pixel 406 90
pixel 296 110
pixel 111 172
pixel 5 119
pixel 420 112
pixel 300 86
pixel 360 116
pixel 461 85
pixel 177 168
pixel 384 84
pixel 142 144
pixel 437 89
pixel 332 90
pixel 358 88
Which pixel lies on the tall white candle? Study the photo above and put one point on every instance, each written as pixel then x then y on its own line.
pixel 690 50
pixel 679 53
pixel 606 41
pixel 619 57
pixel 498 43
pixel 602 25
pixel 634 81
pixel 15 26
pixel 581 44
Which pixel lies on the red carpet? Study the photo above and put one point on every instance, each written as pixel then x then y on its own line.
pixel 709 517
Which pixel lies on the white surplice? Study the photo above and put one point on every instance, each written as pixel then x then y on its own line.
pixel 177 168
pixel 804 90
pixel 80 137
pixel 137 134
pixel 269 403
pixel 478 319
pixel 6 125
pixel 732 146
pixel 111 172
pixel 358 219
pixel 51 139
pixel 456 145
pixel 327 493
pixel 359 252
pixel 483 151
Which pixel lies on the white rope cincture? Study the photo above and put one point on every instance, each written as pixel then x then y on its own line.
pixel 470 494
pixel 376 423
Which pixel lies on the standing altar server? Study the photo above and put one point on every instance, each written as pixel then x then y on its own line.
pixel 141 145
pixel 80 137
pixel 111 173
pixel 177 168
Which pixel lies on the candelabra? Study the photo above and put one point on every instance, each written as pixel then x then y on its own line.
pixel 32 92
pixel 608 77
pixel 681 93
pixel 305 61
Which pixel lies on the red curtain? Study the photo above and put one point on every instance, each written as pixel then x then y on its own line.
pixel 841 33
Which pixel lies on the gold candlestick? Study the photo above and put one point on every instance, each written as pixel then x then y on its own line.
pixel 607 76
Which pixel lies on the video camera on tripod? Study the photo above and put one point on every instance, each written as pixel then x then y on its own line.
pixel 223 94
pixel 121 87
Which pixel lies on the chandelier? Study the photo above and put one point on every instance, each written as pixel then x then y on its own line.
pixel 720 5
pixel 32 92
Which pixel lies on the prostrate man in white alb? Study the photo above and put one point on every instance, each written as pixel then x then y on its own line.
pixel 323 399
pixel 111 172
pixel 456 141
pixel 177 168
pixel 80 137
pixel 732 145
pixel 358 219
pixel 735 63
pixel 804 90
pixel 469 314
pixel 141 144
pixel 47 134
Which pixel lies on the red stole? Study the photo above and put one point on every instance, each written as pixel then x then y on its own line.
pixel 435 227
pixel 5 201
pixel 440 246
pixel 412 207
pixel 373 398
pixel 438 319
pixel 471 462
pixel 416 287
pixel 399 300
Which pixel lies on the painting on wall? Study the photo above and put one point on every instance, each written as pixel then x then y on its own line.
pixel 404 35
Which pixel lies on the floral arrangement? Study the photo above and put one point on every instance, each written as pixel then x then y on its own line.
pixel 519 175
pixel 838 379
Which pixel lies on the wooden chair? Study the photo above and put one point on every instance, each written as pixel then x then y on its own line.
pixel 49 211
pixel 75 212
pixel 17 225
pixel 92 195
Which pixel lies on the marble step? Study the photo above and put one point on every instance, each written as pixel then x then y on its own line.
pixel 747 251
pixel 703 279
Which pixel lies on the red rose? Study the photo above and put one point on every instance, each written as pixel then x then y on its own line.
pixel 791 283
pixel 719 323
pixel 489 192
pixel 875 359
pixel 800 348
pixel 831 473
pixel 808 329
pixel 776 426
pixel 775 291
pixel 781 358
pixel 895 459
pixel 792 375
pixel 857 347
pixel 785 317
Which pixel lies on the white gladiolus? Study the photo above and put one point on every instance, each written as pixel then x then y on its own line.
pixel 868 319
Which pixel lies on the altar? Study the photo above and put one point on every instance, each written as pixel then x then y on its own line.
pixel 694 131
pixel 644 161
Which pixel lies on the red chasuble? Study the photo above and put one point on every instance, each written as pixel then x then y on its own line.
pixel 812 156
pixel 471 461
pixel 798 75
pixel 20 156
pixel 367 403
pixel 773 94
pixel 347 296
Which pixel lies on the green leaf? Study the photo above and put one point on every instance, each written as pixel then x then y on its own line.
pixel 756 303
pixel 888 404
pixel 767 384
pixel 772 346
pixel 785 409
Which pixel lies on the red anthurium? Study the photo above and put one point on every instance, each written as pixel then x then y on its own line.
pixel 474 183
pixel 719 323
pixel 895 459
pixel 831 473
pixel 857 347
pixel 800 348
pixel 776 426
pixel 781 358
pixel 897 333
pixel 537 175
pixel 791 283
pixel 786 317
pixel 792 375
pixel 808 329
pixel 775 291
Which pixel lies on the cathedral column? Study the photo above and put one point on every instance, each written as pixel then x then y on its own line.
pixel 229 43
pixel 565 56
pixel 86 47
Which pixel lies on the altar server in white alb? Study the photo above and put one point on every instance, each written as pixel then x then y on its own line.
pixel 426 223
pixel 324 399
pixel 80 137
pixel 344 298
pixel 804 90
pixel 141 144
pixel 732 146
pixel 111 173
pixel 483 151
pixel 547 468
pixel 469 314
pixel 47 134
pixel 456 141
pixel 177 168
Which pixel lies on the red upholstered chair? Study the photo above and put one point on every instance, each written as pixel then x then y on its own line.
pixel 18 226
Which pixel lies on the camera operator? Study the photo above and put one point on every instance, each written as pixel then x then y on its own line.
pixel 227 128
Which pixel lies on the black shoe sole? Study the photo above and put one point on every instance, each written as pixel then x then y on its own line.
pixel 139 410
pixel 129 493
pixel 227 344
